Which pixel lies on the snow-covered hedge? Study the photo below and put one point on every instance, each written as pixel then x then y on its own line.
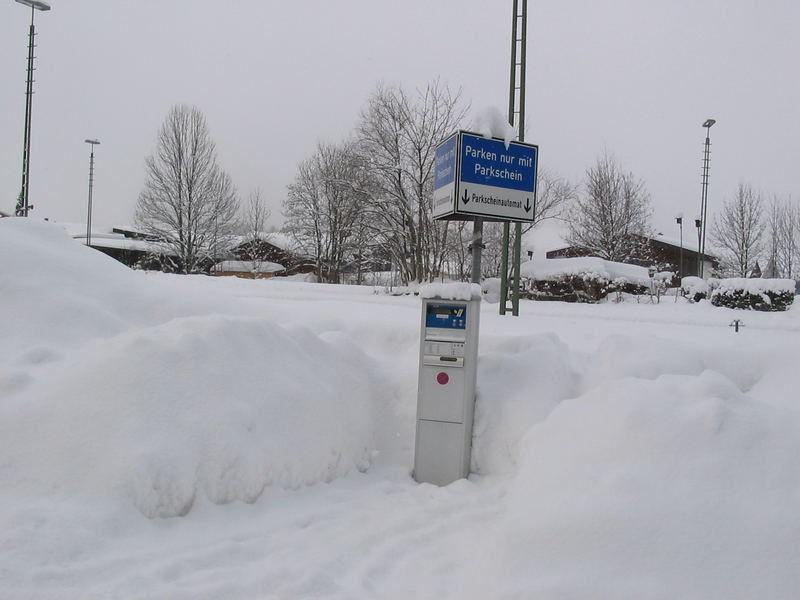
pixel 583 287
pixel 695 288
pixel 755 294
pixel 584 279
pixel 555 269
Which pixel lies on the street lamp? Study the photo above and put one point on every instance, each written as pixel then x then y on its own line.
pixel 679 221
pixel 23 206
pixel 92 143
pixel 698 222
pixel 704 198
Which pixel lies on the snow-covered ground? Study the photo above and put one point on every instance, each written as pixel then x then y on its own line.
pixel 191 437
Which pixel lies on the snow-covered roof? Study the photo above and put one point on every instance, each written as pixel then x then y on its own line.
pixel 108 237
pixel 248 266
pixel 79 229
pixel 129 229
pixel 281 240
pixel 687 241
pixel 119 242
pixel 687 244
pixel 276 238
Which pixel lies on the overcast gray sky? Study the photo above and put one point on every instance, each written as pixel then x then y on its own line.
pixel 634 77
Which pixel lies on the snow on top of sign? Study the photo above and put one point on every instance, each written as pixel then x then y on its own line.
pixel 490 123
pixel 450 291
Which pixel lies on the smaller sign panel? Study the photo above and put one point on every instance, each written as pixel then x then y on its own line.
pixel 444 179
pixel 482 177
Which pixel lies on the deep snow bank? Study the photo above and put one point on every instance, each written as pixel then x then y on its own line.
pixel 157 413
pixel 677 487
pixel 57 292
pixel 668 469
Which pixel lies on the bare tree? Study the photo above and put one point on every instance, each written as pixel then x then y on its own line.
pixel 773 226
pixel 738 231
pixel 613 215
pixel 398 136
pixel 188 203
pixel 783 238
pixel 457 259
pixel 325 208
pixel 789 257
pixel 554 193
pixel 254 223
pixel 492 254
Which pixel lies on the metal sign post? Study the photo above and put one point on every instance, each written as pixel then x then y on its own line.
pixel 516 117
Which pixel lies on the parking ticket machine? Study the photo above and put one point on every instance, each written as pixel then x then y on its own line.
pixel 446 391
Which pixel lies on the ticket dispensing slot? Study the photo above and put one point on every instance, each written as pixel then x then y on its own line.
pixel 449 354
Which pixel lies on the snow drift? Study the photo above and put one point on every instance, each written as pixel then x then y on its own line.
pixel 620 450
pixel 678 487
pixel 175 407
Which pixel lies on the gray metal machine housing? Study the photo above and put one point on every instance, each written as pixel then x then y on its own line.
pixel 448 360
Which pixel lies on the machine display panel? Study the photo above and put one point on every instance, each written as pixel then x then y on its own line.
pixel 446 316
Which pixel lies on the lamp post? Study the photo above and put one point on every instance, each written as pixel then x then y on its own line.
pixel 23 206
pixel 698 222
pixel 92 143
pixel 679 221
pixel 704 198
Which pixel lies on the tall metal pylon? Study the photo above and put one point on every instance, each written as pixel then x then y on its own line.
pixel 509 282
pixel 704 197
pixel 23 204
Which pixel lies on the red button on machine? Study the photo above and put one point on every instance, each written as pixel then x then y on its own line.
pixel 442 378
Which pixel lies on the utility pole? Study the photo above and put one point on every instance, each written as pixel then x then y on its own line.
pixel 93 143
pixel 23 206
pixel 679 220
pixel 516 117
pixel 704 198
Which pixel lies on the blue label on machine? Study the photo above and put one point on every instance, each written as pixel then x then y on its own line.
pixel 446 316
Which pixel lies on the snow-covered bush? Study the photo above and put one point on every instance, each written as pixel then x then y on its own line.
pixel 584 279
pixel 755 294
pixel 491 289
pixel 694 288
pixel 582 287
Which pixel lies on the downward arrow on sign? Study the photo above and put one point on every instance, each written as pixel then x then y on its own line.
pixel 527 205
pixel 465 199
